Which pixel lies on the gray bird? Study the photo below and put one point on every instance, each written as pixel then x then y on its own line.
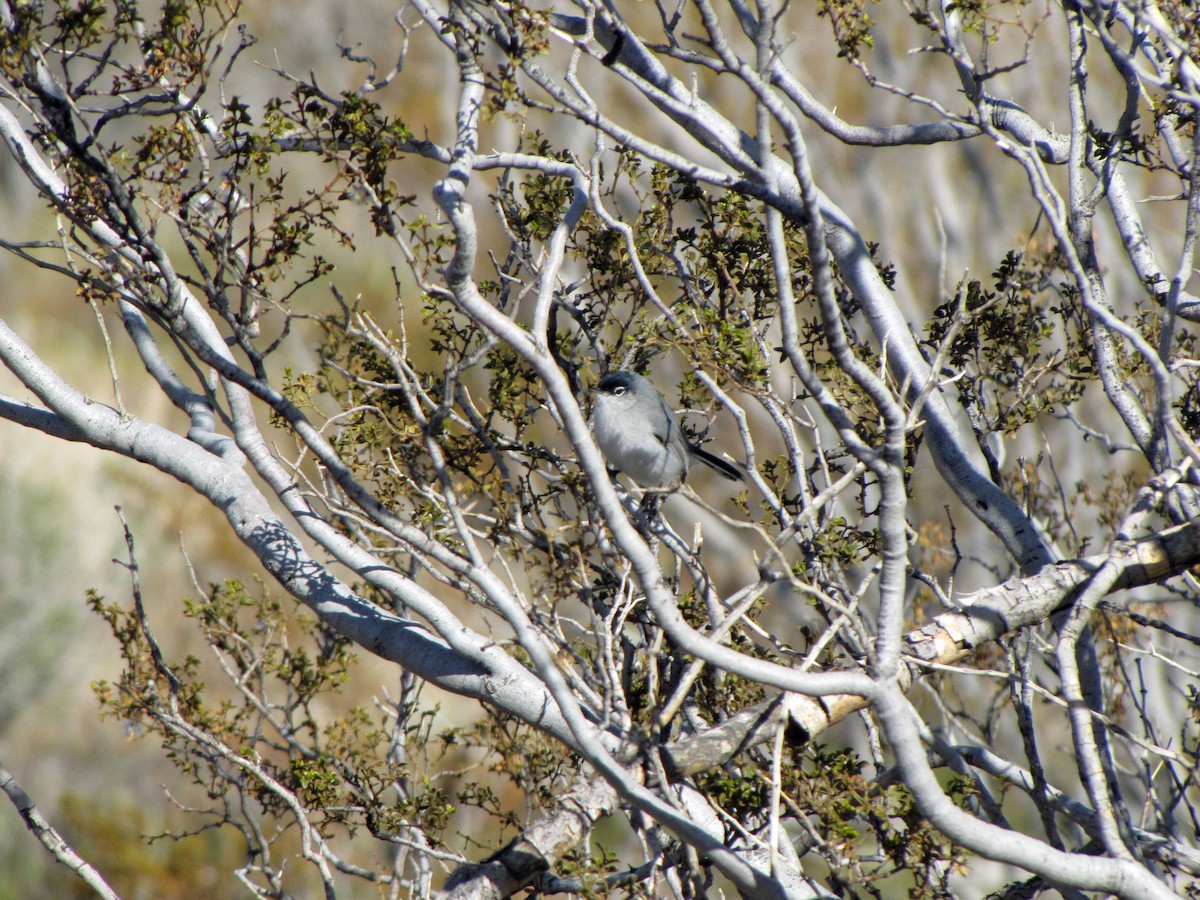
pixel 639 435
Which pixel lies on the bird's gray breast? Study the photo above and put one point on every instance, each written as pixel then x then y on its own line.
pixel 633 445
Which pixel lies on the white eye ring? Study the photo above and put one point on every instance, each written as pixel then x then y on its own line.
pixel 618 390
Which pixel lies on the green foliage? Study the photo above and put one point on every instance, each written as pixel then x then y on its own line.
pixel 852 26
pixel 853 816
pixel 915 846
pixel 839 544
pixel 344 767
pixel 361 140
pixel 833 785
pixel 1019 354
pixel 741 793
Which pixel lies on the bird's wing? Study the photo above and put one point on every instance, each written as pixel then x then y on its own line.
pixel 671 436
pixel 667 427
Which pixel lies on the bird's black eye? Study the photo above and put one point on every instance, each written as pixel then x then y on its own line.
pixel 618 390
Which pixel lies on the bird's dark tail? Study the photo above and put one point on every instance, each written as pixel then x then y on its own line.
pixel 728 469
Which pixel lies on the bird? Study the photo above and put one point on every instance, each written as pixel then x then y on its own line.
pixel 639 435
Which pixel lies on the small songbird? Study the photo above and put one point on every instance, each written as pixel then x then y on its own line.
pixel 640 436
